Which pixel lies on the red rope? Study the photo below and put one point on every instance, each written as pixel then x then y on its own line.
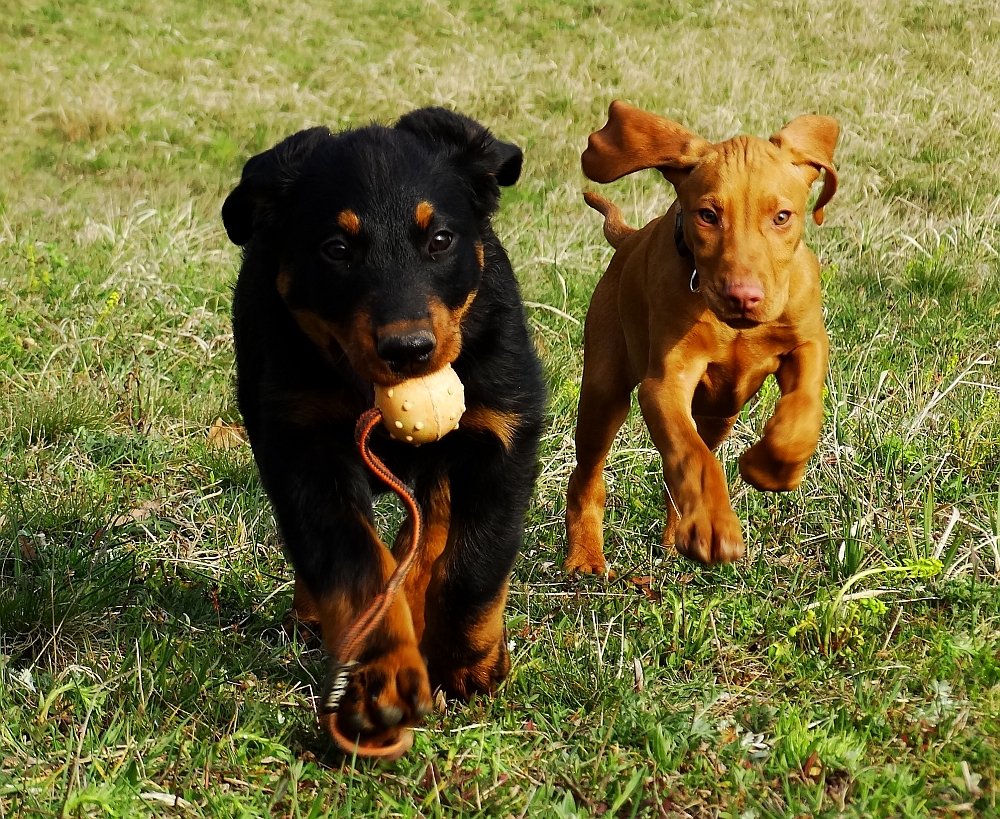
pixel 348 648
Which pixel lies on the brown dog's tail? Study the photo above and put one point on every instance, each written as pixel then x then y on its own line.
pixel 615 229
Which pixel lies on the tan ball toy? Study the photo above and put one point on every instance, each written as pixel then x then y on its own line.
pixel 422 410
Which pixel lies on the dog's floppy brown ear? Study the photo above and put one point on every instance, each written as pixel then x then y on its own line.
pixel 264 181
pixel 634 140
pixel 811 140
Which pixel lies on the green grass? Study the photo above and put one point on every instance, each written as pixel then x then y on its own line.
pixel 143 665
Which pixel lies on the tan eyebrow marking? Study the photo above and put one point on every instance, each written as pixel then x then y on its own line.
pixel 423 214
pixel 349 221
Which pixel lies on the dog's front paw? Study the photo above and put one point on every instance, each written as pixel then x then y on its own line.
pixel 584 561
pixel 710 538
pixel 585 539
pixel 585 524
pixel 763 470
pixel 384 695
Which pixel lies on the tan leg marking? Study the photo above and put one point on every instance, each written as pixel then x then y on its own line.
pixel 504 425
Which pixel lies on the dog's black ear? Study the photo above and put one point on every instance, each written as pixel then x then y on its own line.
pixel 511 160
pixel 266 177
pixel 485 160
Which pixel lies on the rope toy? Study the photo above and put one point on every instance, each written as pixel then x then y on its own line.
pixel 417 411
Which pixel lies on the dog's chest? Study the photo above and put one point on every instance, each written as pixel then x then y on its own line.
pixel 732 379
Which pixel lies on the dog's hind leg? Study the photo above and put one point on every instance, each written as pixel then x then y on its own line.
pixel 605 398
pixel 435 507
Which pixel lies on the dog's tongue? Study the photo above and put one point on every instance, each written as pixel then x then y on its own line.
pixel 424 409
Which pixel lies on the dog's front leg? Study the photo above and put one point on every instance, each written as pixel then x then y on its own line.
pixel 465 639
pixel 707 529
pixel 777 462
pixel 323 505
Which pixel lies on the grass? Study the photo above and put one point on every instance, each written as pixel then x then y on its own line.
pixel 850 664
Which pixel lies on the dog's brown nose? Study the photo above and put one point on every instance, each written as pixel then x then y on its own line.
pixel 743 296
pixel 400 351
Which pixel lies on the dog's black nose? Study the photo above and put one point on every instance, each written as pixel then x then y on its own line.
pixel 399 351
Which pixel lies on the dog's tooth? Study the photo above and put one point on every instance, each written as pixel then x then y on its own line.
pixel 399 425
pixel 407 406
pixel 418 426
pixel 409 439
pixel 455 427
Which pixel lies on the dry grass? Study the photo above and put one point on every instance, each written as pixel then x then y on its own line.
pixel 141 588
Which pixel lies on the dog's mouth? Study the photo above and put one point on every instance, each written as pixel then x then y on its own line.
pixel 378 372
pixel 740 322
pixel 737 319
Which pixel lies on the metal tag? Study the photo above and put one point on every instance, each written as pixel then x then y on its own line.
pixel 339 677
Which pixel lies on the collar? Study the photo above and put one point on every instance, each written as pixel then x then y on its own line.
pixel 682 247
pixel 684 250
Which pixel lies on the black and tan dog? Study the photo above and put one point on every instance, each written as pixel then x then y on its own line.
pixel 369 259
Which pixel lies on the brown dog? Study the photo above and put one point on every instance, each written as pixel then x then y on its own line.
pixel 698 308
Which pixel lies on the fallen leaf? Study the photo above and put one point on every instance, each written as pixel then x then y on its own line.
pixel 813 767
pixel 29 554
pixel 431 777
pixel 644 585
pixel 728 734
pixel 223 435
pixel 142 512
pixel 166 799
pixel 440 702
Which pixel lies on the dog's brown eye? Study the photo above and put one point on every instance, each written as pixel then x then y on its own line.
pixel 709 217
pixel 782 217
pixel 336 251
pixel 440 241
